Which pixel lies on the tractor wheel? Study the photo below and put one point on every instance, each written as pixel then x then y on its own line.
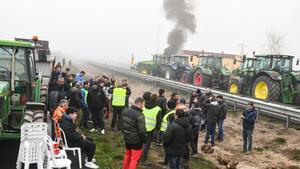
pixel 201 79
pixel 144 70
pixel 234 87
pixel 224 83
pixel 44 94
pixel 185 78
pixel 169 74
pixel 265 88
pixel 297 95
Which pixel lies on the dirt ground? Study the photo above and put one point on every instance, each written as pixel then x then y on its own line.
pixel 274 147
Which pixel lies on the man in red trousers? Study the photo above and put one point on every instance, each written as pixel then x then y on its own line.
pixel 134 133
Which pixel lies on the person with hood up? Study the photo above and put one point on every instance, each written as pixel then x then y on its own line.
pixel 177 136
pixel 96 100
pixel 152 114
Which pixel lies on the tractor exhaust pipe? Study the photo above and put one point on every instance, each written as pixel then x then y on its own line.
pixel 13 67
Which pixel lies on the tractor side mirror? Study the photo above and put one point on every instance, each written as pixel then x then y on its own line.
pixel 191 59
pixel 244 58
pixel 297 62
pixel 234 61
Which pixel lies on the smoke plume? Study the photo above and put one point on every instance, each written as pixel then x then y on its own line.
pixel 180 12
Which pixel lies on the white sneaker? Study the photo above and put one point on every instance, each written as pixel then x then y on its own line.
pixel 102 131
pixel 93 160
pixel 93 130
pixel 91 165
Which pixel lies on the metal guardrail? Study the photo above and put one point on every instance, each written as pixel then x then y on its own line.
pixel 276 110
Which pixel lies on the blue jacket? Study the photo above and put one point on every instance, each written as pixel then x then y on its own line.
pixel 250 116
pixel 79 78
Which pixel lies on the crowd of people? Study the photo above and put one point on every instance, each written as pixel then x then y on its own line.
pixel 173 124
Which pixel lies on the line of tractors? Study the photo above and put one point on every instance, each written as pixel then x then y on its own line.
pixel 266 77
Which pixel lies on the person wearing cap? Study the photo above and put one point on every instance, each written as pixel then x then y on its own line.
pixel 96 100
pixel 152 114
pixel 80 76
pixel 176 138
pixel 75 139
pixel 249 117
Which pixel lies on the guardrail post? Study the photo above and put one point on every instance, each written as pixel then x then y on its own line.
pixel 234 106
pixel 257 110
pixel 288 121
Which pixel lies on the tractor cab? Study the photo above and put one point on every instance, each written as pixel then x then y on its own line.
pixel 18 84
pixel 211 61
pixel 277 63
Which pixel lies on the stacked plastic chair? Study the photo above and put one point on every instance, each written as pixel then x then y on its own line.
pixel 32 147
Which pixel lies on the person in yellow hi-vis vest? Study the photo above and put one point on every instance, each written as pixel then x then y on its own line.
pixel 118 103
pixel 152 114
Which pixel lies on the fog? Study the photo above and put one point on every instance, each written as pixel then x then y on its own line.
pixel 111 31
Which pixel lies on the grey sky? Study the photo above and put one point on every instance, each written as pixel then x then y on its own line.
pixel 114 29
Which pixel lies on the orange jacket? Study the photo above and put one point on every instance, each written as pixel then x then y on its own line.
pixel 57 115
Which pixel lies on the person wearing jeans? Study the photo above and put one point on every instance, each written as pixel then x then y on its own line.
pixel 176 138
pixel 249 117
pixel 222 117
pixel 134 133
pixel 213 112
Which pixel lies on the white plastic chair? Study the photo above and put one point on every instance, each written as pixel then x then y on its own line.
pixel 74 149
pixel 53 161
pixel 32 146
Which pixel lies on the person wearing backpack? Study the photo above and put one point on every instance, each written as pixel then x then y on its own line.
pixel 196 120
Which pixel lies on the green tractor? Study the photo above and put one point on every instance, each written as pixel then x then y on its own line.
pixel 240 77
pixel 270 79
pixel 149 67
pixel 210 72
pixel 176 67
pixel 20 88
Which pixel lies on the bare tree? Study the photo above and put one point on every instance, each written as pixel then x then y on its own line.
pixel 275 42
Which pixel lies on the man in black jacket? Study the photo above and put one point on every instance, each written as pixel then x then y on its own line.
pixel 96 99
pixel 134 133
pixel 128 92
pixel 162 103
pixel 222 117
pixel 75 96
pixel 212 116
pixel 177 135
pixel 75 139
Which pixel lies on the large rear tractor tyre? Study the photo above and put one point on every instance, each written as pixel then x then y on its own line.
pixel 297 95
pixel 201 79
pixel 265 88
pixel 234 87
pixel 44 94
pixel 185 78
pixel 144 70
pixel 225 82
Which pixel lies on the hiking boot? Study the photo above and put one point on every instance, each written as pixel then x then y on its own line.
pixel 93 130
pixel 93 160
pixel 163 162
pixel 102 131
pixel 91 165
